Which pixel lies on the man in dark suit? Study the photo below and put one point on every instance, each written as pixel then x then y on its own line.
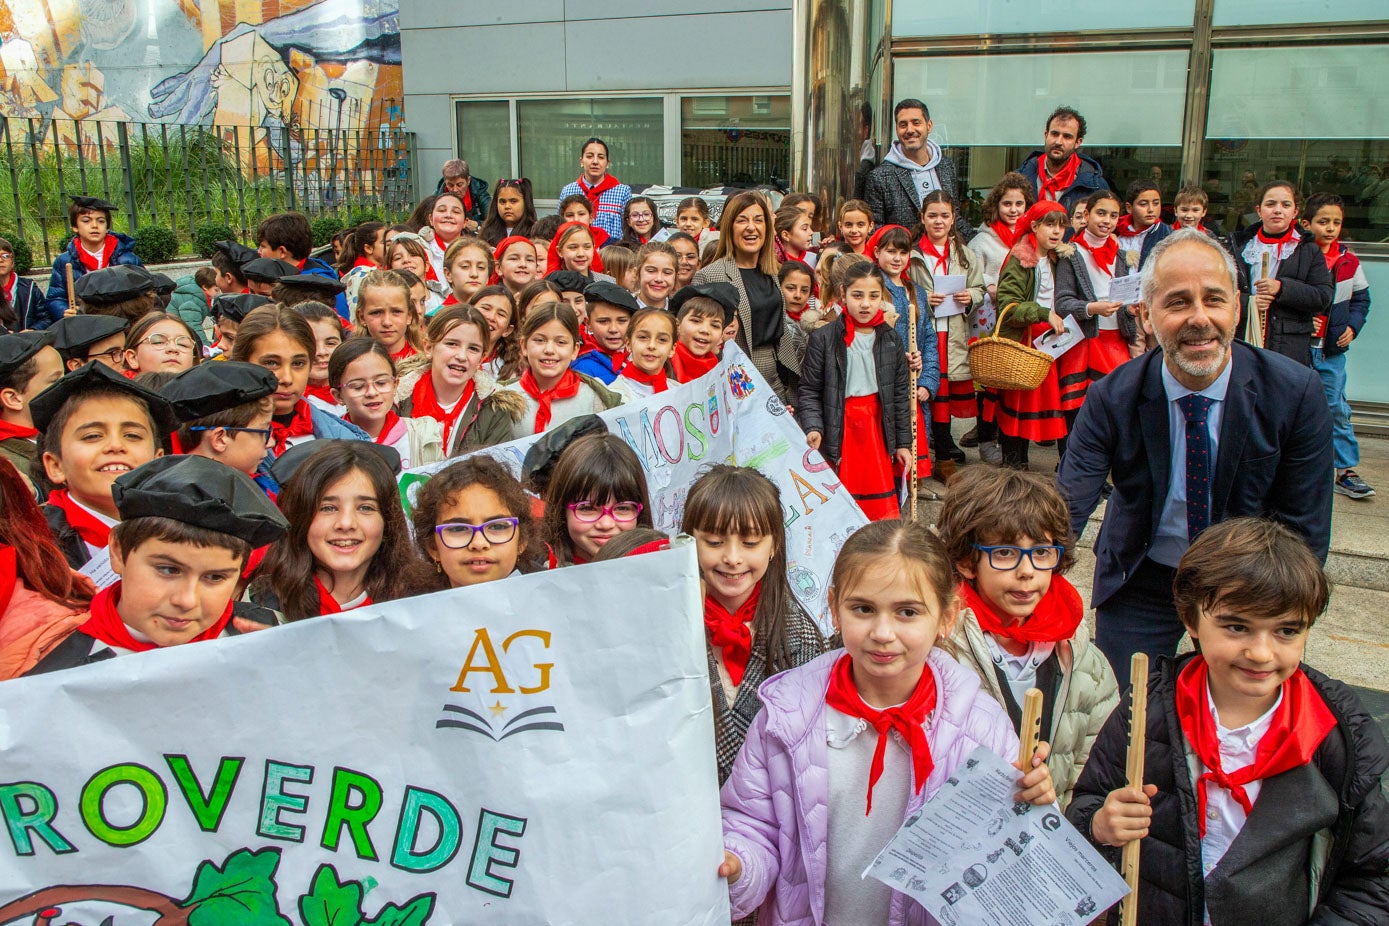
pixel 914 166
pixel 1200 430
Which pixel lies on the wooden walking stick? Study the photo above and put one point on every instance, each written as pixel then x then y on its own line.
pixel 911 389
pixel 1138 740
pixel 72 295
pixel 1031 731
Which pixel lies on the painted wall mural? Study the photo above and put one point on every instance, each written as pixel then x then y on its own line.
pixel 297 64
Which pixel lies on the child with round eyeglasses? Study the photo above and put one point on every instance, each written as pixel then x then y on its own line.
pixel 597 492
pixel 1008 534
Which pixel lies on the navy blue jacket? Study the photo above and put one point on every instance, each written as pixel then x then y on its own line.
pixel 30 307
pixel 1273 458
pixel 57 295
pixel 1089 178
pixel 1346 313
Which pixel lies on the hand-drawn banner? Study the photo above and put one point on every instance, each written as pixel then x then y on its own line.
pixel 485 755
pixel 729 415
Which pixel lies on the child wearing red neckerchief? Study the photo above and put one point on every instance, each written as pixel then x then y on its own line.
pixel 1261 800
pixel 1140 228
pixel 702 312
pixel 29 364
pixel 650 345
pixel 862 737
pixel 1021 624
pixel 93 247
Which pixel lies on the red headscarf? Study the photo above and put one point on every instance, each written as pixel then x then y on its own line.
pixel 507 242
pixel 870 247
pixel 1031 216
pixel 552 258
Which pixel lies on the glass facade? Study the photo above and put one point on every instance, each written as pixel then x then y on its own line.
pixel 1012 17
pixel 734 139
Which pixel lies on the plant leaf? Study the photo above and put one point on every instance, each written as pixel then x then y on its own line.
pixel 414 913
pixel 329 902
pixel 240 893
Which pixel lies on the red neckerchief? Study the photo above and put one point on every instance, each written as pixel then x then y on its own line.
pixel 731 632
pixel 9 575
pixel 690 367
pixel 363 262
pixel 407 351
pixel 1289 236
pixel 451 299
pixel 1104 254
pixel 385 437
pixel 301 425
pixel 1005 234
pixel 9 429
pixel 1054 185
pixel 657 380
pixel 566 388
pixel 909 720
pixel 322 391
pixel 89 261
pixel 850 326
pixel 1300 723
pixel 467 197
pixel 597 190
pixel 1333 254
pixel 1056 617
pixel 795 316
pixel 941 257
pixel 1125 227
pixel 105 623
pixel 88 527
pixel 425 402
pixel 327 604
pixel 616 359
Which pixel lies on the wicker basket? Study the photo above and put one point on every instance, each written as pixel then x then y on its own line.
pixel 997 362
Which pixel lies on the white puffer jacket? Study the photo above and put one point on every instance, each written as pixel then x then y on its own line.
pixel 1088 694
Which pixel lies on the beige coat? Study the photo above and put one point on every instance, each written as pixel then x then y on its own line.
pixel 1088 694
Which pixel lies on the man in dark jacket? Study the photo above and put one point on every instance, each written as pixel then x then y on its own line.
pixel 912 168
pixel 1201 430
pixel 1065 175
pixel 458 179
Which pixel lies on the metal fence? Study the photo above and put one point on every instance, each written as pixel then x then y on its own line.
pixel 180 177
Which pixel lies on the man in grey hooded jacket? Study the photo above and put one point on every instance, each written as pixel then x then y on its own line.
pixel 912 168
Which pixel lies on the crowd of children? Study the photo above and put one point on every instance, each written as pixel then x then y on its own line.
pixel 228 446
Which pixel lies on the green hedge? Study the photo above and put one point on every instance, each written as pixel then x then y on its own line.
pixel 155 244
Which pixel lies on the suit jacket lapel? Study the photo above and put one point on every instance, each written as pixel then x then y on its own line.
pixel 1157 437
pixel 904 177
pixel 1234 430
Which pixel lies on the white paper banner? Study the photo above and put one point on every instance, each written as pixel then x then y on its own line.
pixel 495 754
pixel 729 415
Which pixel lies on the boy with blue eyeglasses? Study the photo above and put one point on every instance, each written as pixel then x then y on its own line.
pixel 1020 624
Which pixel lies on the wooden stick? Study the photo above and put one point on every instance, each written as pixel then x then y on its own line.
pixel 1138 741
pixel 1031 732
pixel 911 390
pixel 72 295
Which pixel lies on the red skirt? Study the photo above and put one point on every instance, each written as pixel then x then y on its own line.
pixel 1107 351
pixel 865 463
pixel 952 399
pixel 1035 414
pixel 1073 375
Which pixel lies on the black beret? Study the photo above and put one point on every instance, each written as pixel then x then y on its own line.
pixel 543 454
pixel 73 334
pixel 18 349
pixel 114 284
pixel 725 294
pixel 209 388
pixel 315 281
pixel 288 462
pixel 93 202
pixel 97 375
pixel 571 281
pixel 267 269
pixel 202 492
pixel 239 253
pixel 612 294
pixel 163 284
pixel 237 306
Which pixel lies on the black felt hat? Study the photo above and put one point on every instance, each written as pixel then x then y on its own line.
pixel 612 294
pixel 544 454
pixel 267 269
pixel 75 333
pixel 18 349
pixel 163 285
pixel 97 375
pixel 209 388
pixel 202 492
pixel 239 253
pixel 725 294
pixel 93 202
pixel 289 462
pixel 238 305
pixel 314 281
pixel 571 281
pixel 111 285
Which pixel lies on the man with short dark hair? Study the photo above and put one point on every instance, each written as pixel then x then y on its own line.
pixel 912 168
pixel 1064 175
pixel 1204 429
pixel 459 180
